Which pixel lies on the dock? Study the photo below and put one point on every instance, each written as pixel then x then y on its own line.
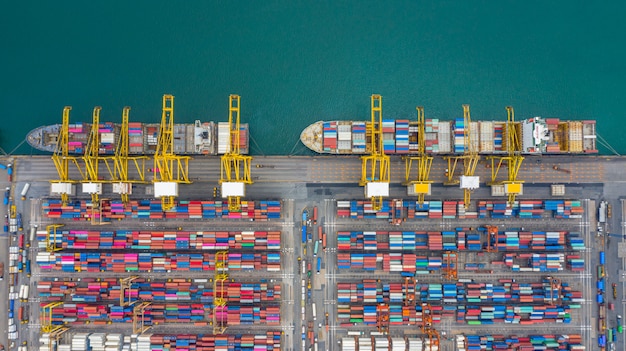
pixel 310 266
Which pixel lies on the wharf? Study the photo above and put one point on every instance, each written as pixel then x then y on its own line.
pixel 304 182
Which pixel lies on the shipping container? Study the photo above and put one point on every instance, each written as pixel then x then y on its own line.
pixel 602 258
pixel 83 210
pixel 560 209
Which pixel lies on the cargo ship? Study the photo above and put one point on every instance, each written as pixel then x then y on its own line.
pixel 199 138
pixel 537 136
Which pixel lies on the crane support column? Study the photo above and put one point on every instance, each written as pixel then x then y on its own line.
pixel 375 173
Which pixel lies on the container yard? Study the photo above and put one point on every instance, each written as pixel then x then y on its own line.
pixel 308 266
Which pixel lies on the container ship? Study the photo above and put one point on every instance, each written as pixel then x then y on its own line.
pixel 537 136
pixel 199 138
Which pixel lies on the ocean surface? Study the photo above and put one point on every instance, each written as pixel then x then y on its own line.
pixel 296 62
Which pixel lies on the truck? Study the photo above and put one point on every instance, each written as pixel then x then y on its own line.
pixel 602 340
pixel 602 257
pixel 10 172
pixel 20 227
pixel 314 311
pixel 315 248
pixel 602 212
pixel 619 324
pixel 1 271
pixel 315 215
pixel 7 194
pixel 24 289
pixel 25 191
pixel 319 265
pixel 601 321
pixel 304 234
pixel 614 285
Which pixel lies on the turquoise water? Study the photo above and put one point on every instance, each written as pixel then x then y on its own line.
pixel 297 62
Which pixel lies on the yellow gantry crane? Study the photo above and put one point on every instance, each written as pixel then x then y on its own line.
pixel 123 185
pixel 375 173
pixel 235 167
pixel 220 302
pixel 46 317
pixel 419 185
pixel 169 169
pixel 61 159
pixel 51 243
pixel 469 158
pixel 92 184
pixel 513 159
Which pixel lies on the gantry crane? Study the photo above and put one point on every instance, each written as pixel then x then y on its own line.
pixel 555 285
pixel 409 291
pixel 513 159
pixel 139 318
pixel 470 158
pixel 61 159
pixel 220 301
pixel 450 265
pixel 419 185
pixel 382 317
pixel 492 238
pixel 428 329
pixel 55 335
pixel 126 291
pixel 91 178
pixel 51 244
pixel 169 169
pixel 123 185
pixel 375 173
pixel 46 317
pixel 235 170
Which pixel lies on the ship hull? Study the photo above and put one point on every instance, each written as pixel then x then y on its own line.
pixel 199 138
pixel 400 137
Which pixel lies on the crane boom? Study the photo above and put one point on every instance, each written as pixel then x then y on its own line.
pixel 123 183
pixel 235 167
pixel 469 158
pixel 419 185
pixel 375 173
pixel 513 160
pixel 169 169
pixel 61 159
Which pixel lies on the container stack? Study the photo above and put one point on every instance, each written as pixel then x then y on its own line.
pixel 487 136
pixel 389 134
pixel 358 137
pixel 153 262
pixel 402 136
pixel 444 136
pixel 107 138
pixel 431 129
pixel 330 136
pixel 82 210
pixel 135 137
pixel 344 137
pixel 459 135
pixel 161 240
pixel 551 342
pixel 529 262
